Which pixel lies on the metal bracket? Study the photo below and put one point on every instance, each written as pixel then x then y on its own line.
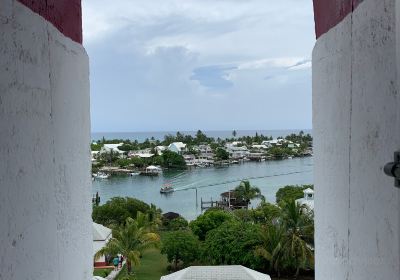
pixel 392 169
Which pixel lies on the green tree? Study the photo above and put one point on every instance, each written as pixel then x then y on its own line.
pixel 181 246
pixel 245 192
pixel 298 224
pixel 130 240
pixel 233 243
pixel 291 192
pixel 234 133
pixel 271 249
pixel 221 154
pixel 266 213
pixel 117 210
pixel 173 160
pixel 208 221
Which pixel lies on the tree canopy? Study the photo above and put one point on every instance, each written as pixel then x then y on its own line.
pixel 181 246
pixel 117 210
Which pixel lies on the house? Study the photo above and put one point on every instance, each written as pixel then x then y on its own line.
pixel 259 147
pixel 308 199
pixel 141 154
pixel 160 150
pixel 222 272
pixel 101 235
pixel 177 147
pixel 273 142
pixel 237 152
pixel 108 148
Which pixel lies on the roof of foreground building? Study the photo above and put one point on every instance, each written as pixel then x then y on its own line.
pixel 223 272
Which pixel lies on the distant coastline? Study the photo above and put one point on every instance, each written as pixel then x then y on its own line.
pixel 159 135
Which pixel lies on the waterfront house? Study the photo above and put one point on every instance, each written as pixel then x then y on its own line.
pixel 259 147
pixel 221 272
pixel 108 148
pixel 160 150
pixel 308 199
pixel 237 152
pixel 177 147
pixel 101 235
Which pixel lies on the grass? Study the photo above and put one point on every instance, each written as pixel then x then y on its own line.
pixel 153 265
pixel 103 272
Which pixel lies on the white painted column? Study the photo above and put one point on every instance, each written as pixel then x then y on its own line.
pixel 45 206
pixel 357 128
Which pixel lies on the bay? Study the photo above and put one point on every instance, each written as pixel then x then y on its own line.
pixel 269 176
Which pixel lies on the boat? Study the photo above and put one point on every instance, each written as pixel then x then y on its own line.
pixel 134 173
pixel 167 189
pixel 101 175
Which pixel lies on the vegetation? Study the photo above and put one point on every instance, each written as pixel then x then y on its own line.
pixel 274 239
pixel 221 154
pixel 172 160
pixel 178 223
pixel 232 243
pixel 289 193
pixel 102 272
pixel 131 240
pixel 210 220
pixel 181 247
pixel 245 192
pixel 118 209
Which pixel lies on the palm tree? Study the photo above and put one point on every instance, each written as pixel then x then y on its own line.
pixel 297 221
pixel 273 238
pixel 131 240
pixel 246 192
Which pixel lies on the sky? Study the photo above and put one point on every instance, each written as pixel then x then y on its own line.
pixel 184 65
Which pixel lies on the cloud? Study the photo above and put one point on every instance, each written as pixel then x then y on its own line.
pixel 173 64
pixel 214 77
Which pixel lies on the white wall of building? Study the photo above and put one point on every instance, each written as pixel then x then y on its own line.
pixel 356 130
pixel 45 206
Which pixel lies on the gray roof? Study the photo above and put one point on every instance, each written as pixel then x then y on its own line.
pixel 100 232
pixel 223 272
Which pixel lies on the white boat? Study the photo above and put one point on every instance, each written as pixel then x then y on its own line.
pixel 134 173
pixel 101 175
pixel 167 189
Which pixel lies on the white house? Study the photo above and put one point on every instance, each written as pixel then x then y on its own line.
pixel 259 147
pixel 237 152
pixel 160 150
pixel 101 235
pixel 308 198
pixel 177 147
pixel 107 148
pixel 222 272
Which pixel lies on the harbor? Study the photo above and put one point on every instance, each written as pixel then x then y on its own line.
pixel 209 183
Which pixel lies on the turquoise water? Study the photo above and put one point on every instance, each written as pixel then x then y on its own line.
pixel 275 174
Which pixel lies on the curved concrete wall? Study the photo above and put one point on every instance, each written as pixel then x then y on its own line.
pixel 356 130
pixel 45 223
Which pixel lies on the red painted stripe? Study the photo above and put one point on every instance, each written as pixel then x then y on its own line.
pixel 65 15
pixel 328 13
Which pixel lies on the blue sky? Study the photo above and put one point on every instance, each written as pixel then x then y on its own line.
pixel 167 65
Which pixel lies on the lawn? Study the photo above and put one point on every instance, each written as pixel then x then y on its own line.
pixel 103 272
pixel 153 266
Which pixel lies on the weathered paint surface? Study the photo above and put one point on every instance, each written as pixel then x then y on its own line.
pixel 356 129
pixel 65 15
pixel 45 207
pixel 328 13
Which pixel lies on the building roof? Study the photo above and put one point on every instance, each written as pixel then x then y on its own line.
pixel 179 145
pixel 308 191
pixel 100 232
pixel 223 272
